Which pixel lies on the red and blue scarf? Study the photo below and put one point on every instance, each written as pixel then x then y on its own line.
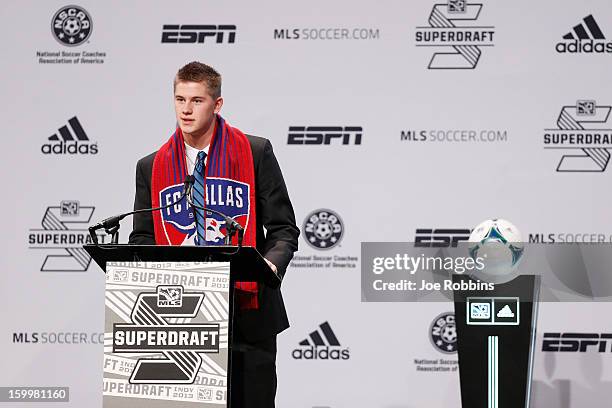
pixel 230 189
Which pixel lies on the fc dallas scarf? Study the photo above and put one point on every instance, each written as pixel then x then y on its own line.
pixel 230 189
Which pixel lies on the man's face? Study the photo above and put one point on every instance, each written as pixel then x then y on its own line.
pixel 195 108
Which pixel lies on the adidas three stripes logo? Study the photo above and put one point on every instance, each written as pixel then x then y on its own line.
pixel 315 338
pixel 587 30
pixel 65 134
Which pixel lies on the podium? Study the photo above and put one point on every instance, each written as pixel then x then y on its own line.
pixel 496 340
pixel 168 321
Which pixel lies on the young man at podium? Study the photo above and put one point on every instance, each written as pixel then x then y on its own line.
pixel 237 175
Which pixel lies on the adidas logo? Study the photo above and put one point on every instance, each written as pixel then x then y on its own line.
pixel 67 142
pixel 321 344
pixel 585 37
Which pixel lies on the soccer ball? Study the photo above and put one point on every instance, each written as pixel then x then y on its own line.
pixel 498 243
pixel 72 26
pixel 323 230
pixel 449 333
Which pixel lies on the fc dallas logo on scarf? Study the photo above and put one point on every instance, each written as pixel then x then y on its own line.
pixel 229 197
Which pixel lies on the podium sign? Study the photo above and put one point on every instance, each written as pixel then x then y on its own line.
pixel 166 334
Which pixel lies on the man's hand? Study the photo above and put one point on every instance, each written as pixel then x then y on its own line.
pixel 272 266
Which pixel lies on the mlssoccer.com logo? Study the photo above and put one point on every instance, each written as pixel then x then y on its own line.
pixel 447 30
pixel 67 142
pixel 585 37
pixel 585 131
pixel 443 333
pixel 321 344
pixel 64 232
pixel 71 25
pixel 323 229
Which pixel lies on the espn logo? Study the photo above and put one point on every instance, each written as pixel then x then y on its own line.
pixel 192 34
pixel 576 342
pixel 324 135
pixel 440 238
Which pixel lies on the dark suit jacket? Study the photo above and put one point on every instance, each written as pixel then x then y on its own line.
pixel 274 212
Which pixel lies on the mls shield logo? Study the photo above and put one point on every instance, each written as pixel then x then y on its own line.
pixel 227 196
pixel 169 296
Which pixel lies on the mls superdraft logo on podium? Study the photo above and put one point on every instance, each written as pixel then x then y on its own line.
pixel 321 344
pixel 583 135
pixel 63 233
pixel 453 28
pixel 151 332
pixel 585 37
pixel 71 27
pixel 70 141
pixel 166 334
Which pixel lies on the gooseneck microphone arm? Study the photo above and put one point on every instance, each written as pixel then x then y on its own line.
pixel 111 224
pixel 231 225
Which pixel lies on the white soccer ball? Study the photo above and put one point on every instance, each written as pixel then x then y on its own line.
pixel 499 245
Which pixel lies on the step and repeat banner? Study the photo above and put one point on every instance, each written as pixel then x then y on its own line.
pixel 392 121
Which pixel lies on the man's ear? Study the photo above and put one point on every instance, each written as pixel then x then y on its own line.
pixel 218 104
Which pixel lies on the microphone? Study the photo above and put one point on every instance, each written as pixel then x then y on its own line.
pixel 231 225
pixel 111 224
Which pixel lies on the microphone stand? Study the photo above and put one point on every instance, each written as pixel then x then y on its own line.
pixel 111 225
